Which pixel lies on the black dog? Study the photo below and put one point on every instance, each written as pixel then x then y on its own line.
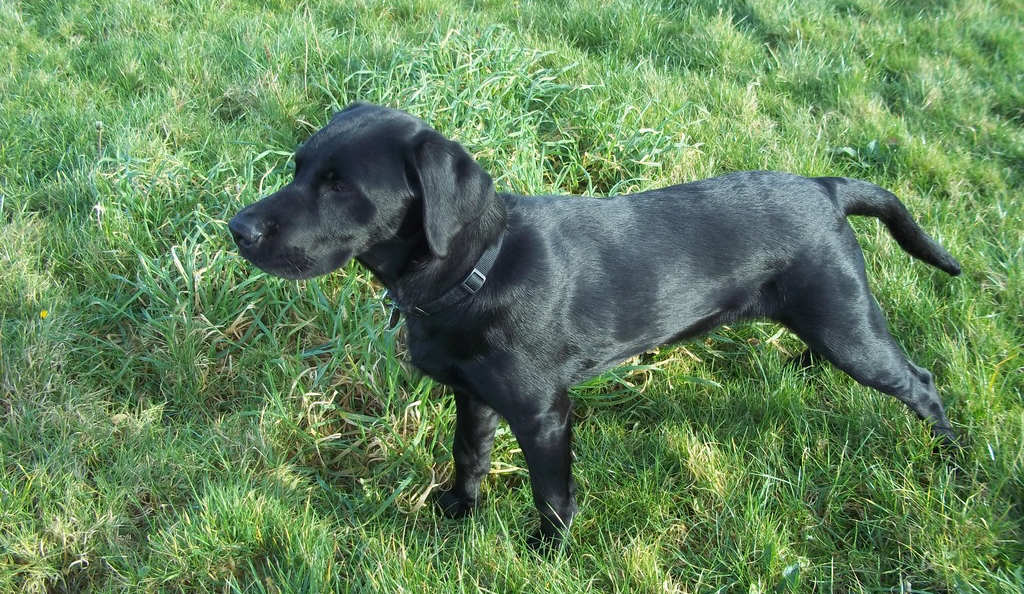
pixel 510 300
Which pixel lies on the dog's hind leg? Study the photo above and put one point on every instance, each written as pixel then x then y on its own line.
pixel 834 312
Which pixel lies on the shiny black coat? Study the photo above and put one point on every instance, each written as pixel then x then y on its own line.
pixel 580 284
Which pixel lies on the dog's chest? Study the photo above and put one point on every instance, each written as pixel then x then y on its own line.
pixel 438 353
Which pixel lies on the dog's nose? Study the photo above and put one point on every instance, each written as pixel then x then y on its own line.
pixel 249 231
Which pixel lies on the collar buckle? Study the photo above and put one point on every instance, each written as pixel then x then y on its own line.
pixel 474 281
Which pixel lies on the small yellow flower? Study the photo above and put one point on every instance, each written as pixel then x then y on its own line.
pixel 43 314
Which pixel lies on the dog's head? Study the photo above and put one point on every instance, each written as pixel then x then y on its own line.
pixel 372 176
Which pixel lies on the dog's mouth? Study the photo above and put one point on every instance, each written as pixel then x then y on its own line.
pixel 293 263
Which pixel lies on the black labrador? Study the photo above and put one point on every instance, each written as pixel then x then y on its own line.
pixel 510 300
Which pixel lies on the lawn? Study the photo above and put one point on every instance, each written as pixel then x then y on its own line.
pixel 173 420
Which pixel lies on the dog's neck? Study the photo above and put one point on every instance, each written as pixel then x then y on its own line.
pixel 414 275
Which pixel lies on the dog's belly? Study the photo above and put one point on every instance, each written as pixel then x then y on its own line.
pixel 637 333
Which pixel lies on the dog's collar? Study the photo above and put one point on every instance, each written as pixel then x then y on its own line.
pixel 473 282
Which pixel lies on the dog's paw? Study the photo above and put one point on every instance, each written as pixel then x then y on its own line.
pixel 804 361
pixel 452 505
pixel 546 543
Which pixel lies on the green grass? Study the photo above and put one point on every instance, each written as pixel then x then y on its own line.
pixel 179 421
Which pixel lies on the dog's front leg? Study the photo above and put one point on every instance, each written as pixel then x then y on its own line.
pixel 544 434
pixel 475 423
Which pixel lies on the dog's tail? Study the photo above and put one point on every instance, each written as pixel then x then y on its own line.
pixel 856 197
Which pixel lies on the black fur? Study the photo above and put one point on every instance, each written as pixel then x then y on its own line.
pixel 580 283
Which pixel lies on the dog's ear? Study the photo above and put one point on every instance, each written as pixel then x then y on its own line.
pixel 455 190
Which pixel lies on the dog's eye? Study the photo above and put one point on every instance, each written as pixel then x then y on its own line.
pixel 335 185
pixel 339 186
pixel 329 182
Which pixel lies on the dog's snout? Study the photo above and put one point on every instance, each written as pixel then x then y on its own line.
pixel 249 231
